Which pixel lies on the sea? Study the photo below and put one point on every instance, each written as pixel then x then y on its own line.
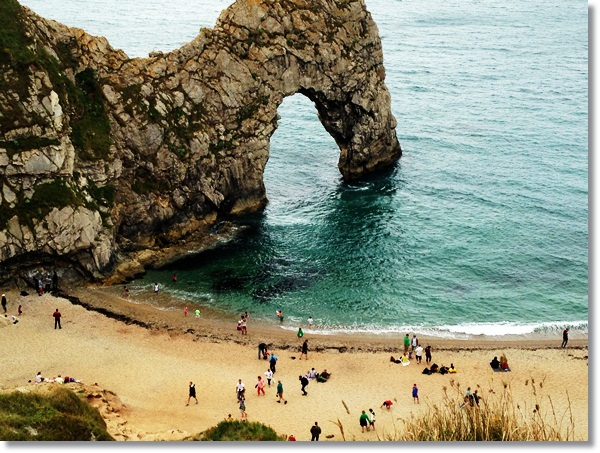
pixel 481 230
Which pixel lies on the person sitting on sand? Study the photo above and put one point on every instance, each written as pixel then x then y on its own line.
pixel 503 363
pixel 392 359
pixel 387 404
pixel 452 368
pixel 323 377
pixel 495 363
pixel 434 368
pixel 312 374
pixel 404 360
pixel 38 378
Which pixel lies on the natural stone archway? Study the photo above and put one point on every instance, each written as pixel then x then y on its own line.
pixel 163 146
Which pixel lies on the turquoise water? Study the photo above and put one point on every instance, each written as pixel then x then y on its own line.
pixel 480 229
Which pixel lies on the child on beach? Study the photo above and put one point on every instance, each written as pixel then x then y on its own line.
pixel 243 409
pixel 387 404
pixel 269 375
pixel 364 421
pixel 415 394
pixel 372 419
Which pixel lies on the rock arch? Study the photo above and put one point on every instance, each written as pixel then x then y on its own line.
pixel 187 132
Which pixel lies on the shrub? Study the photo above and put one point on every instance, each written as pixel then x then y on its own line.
pixel 236 430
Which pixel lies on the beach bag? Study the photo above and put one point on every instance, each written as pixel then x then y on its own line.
pixel 426 371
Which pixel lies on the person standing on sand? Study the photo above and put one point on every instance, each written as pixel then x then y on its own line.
pixel 4 302
pixel 414 343
pixel 564 342
pixel 260 386
pixel 280 393
pixel 192 393
pixel 240 389
pixel 273 362
pixel 57 316
pixel 185 310
pixel 243 409
pixel 315 432
pixel 406 343
pixel 20 310
pixel 419 353
pixel 269 375
pixel 428 354
pixel 304 350
pixel 415 394
pixel 156 288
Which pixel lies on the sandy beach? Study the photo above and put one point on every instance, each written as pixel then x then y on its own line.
pixel 139 360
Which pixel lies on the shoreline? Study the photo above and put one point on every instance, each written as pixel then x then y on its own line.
pixel 218 325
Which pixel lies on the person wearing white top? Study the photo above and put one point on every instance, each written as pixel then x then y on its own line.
pixel 240 389
pixel 419 353
pixel 269 375
pixel 310 321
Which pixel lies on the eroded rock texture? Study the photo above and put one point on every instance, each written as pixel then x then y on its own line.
pixel 105 159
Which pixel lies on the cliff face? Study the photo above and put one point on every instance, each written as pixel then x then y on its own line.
pixel 104 159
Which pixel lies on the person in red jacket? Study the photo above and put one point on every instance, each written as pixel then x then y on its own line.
pixel 57 316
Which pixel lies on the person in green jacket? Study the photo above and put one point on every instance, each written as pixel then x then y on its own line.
pixel 406 343
pixel 280 393
pixel 364 421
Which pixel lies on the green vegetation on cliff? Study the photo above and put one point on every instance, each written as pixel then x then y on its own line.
pixel 237 430
pixel 60 415
pixel 13 41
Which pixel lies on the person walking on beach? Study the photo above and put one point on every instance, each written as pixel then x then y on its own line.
pixel 4 302
pixel 315 432
pixel 415 394
pixel 310 321
pixel 280 393
pixel 300 332
pixel 20 310
pixel 185 310
pixel 57 316
pixel 564 342
pixel 260 386
pixel 304 382
pixel 192 393
pixel 428 355
pixel 244 327
pixel 406 343
pixel 304 350
pixel 273 362
pixel 240 389
pixel 364 421
pixel 372 419
pixel 269 375
pixel 262 351
pixel 419 353
pixel 243 412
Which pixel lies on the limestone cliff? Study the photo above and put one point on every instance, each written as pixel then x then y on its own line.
pixel 106 159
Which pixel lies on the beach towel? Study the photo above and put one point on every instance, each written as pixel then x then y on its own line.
pixel 406 363
pixel 500 370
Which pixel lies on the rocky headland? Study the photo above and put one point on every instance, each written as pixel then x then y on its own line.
pixel 110 164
